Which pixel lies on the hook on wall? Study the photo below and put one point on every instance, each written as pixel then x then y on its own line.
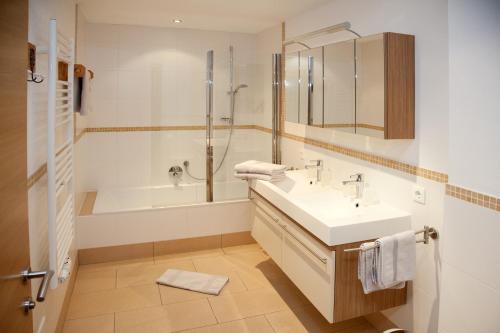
pixel 32 76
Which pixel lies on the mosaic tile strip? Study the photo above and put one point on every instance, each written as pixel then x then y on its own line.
pixel 476 198
pixel 396 165
pixel 37 175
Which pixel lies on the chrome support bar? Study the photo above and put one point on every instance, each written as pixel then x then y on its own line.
pixel 276 152
pixel 209 125
pixel 429 233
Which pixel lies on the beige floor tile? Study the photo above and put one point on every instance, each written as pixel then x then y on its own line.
pixel 189 255
pixel 170 295
pixel 148 273
pixel 246 304
pixel 115 264
pixel 189 315
pixel 242 248
pixel 250 325
pixel 114 300
pixel 98 324
pixel 95 280
pixel 147 320
pixel 214 265
pixel 308 319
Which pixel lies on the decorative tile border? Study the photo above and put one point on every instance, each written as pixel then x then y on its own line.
pixel 476 198
pixel 396 165
pixel 162 128
pixel 37 175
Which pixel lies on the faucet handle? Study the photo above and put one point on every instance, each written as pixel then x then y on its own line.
pixel 357 177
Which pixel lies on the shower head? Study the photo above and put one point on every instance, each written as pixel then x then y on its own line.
pixel 239 87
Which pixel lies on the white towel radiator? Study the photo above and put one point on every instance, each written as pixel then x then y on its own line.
pixel 61 222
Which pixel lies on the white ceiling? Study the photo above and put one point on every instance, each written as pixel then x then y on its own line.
pixel 250 16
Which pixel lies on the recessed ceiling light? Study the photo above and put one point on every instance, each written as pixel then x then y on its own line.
pixel 177 20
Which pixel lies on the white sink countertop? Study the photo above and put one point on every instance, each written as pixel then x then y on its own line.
pixel 328 213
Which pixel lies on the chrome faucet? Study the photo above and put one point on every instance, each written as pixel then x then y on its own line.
pixel 359 180
pixel 318 164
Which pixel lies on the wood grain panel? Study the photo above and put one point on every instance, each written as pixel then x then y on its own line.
pixel 399 116
pixel 13 168
pixel 350 300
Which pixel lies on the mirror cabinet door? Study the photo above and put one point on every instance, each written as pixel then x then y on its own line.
pixel 292 87
pixel 339 86
pixel 370 86
pixel 311 87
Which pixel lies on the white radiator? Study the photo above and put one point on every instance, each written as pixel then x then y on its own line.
pixel 61 227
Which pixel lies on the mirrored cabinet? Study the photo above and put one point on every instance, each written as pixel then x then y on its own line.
pixel 363 86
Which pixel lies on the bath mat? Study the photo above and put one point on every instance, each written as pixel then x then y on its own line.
pixel 194 281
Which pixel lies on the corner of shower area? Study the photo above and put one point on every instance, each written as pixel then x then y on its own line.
pixel 173 111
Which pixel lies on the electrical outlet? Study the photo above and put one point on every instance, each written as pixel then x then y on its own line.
pixel 419 194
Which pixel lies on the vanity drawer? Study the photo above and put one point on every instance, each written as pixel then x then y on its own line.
pixel 267 232
pixel 311 268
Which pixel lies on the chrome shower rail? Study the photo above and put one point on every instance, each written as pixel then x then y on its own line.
pixel 429 232
pixel 209 131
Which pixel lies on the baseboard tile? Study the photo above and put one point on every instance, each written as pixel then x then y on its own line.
pixel 152 249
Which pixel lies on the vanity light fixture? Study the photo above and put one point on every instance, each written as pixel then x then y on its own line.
pixel 177 21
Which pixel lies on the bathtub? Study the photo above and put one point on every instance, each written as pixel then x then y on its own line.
pixel 148 197
pixel 157 213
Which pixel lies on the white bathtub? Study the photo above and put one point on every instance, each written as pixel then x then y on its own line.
pixel 148 197
pixel 149 214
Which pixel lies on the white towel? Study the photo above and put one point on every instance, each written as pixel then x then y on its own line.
pixel 388 262
pixel 259 176
pixel 367 266
pixel 397 259
pixel 258 167
pixel 86 106
pixel 200 282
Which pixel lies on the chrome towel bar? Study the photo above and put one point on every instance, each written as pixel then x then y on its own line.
pixel 429 232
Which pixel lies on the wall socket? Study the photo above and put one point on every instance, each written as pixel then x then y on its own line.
pixel 419 194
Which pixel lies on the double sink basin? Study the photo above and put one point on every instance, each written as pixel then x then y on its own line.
pixel 329 214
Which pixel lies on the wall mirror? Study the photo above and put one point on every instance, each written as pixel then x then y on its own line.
pixel 363 86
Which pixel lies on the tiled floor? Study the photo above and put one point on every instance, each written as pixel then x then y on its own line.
pixel 123 297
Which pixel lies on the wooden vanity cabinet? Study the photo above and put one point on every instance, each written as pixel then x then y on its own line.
pixel 326 275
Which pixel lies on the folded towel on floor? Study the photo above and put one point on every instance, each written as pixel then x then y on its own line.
pixel 388 262
pixel 259 176
pixel 258 167
pixel 194 281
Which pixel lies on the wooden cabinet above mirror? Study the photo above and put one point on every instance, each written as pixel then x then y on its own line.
pixel 364 86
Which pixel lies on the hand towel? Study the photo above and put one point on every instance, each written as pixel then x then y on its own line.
pixel 194 281
pixel 396 259
pixel 406 255
pixel 86 99
pixel 253 166
pixel 367 267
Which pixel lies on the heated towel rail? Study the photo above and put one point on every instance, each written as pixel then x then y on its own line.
pixel 61 217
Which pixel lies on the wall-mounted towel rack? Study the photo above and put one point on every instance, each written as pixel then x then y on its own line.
pixel 60 153
pixel 428 233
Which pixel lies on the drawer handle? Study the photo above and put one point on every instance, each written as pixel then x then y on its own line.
pixel 317 256
pixel 284 227
pixel 275 219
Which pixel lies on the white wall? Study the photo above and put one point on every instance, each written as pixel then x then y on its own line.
pixel 46 314
pixel 470 292
pixel 156 77
pixel 427 20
